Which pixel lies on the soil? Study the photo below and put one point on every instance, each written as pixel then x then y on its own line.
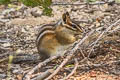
pixel 19 29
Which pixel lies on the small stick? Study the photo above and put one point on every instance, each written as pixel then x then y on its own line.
pixel 82 53
pixel 117 28
pixel 74 70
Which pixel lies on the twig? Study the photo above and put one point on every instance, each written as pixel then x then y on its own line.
pixel 117 28
pixel 85 67
pixel 82 53
pixel 69 56
pixel 98 65
pixel 102 35
pixel 43 75
pixel 116 50
pixel 4 20
pixel 4 40
pixel 4 59
pixel 3 48
pixel 77 4
pixel 5 56
pixel 27 76
pixel 73 71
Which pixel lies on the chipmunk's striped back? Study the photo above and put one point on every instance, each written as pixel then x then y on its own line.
pixel 44 30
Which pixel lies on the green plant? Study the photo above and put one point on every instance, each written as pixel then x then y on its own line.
pixel 33 3
pixel 4 2
pixel 44 3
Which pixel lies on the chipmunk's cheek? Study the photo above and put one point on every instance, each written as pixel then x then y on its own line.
pixel 78 37
pixel 72 39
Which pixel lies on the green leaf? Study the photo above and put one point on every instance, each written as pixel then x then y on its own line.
pixel 44 3
pixel 4 2
pixel 31 3
pixel 47 11
pixel 47 3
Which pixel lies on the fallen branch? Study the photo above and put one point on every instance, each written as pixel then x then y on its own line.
pixel 27 76
pixel 43 75
pixel 70 55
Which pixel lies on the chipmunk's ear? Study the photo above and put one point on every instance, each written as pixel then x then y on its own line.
pixel 66 18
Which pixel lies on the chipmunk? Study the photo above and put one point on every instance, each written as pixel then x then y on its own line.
pixel 54 39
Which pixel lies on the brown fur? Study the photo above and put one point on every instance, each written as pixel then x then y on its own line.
pixel 54 40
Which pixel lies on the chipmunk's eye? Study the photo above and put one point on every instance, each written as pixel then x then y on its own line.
pixel 74 26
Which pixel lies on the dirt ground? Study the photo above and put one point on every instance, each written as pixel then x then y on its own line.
pixel 19 29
